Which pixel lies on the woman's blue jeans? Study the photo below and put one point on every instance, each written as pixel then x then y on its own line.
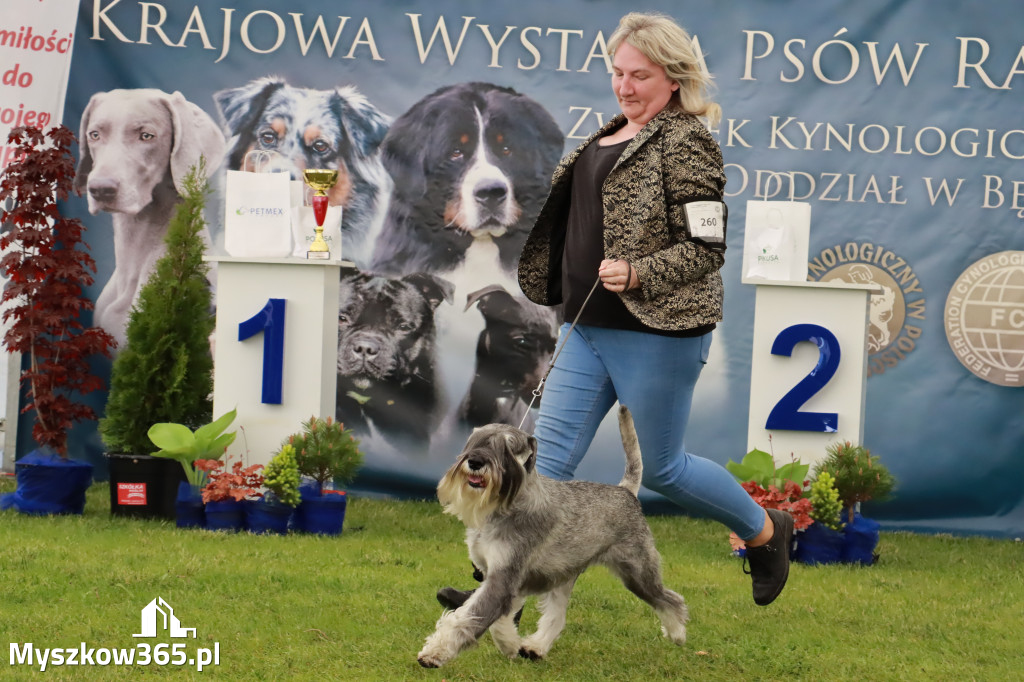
pixel 654 377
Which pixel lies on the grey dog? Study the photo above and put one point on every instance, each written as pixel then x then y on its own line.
pixel 532 535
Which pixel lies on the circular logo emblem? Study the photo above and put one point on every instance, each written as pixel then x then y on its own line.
pixel 985 318
pixel 893 311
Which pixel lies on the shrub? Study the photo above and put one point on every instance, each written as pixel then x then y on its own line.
pixel 825 504
pixel 859 476
pixel 48 266
pixel 165 371
pixel 326 451
pixel 281 476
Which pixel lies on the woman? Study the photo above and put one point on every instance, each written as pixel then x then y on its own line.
pixel 618 212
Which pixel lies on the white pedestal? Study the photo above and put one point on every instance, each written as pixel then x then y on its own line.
pixel 839 313
pixel 308 364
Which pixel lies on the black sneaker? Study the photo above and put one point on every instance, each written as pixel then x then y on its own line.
pixel 769 563
pixel 450 598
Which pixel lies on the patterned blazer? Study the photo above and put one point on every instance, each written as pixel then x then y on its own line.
pixel 671 161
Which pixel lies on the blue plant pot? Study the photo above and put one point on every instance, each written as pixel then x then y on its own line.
pixel 228 515
pixel 861 540
pixel 49 484
pixel 323 514
pixel 818 544
pixel 188 507
pixel 266 517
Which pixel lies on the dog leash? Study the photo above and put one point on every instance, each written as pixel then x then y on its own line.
pixel 540 387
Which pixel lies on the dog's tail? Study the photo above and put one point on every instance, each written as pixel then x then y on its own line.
pixel 634 465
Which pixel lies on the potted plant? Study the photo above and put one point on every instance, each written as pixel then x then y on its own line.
pixel 822 541
pixel 227 490
pixel 165 371
pixel 859 477
pixel 772 488
pixel 47 267
pixel 328 454
pixel 271 512
pixel 179 443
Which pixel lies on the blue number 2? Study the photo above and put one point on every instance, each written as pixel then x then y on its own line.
pixel 270 321
pixel 786 414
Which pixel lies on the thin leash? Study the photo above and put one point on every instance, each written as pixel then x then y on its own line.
pixel 551 365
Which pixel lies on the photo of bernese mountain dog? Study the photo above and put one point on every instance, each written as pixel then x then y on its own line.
pixel 305 128
pixel 470 162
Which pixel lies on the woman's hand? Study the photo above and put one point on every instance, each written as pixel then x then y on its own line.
pixel 618 275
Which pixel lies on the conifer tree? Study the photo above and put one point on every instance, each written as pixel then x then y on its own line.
pixel 165 371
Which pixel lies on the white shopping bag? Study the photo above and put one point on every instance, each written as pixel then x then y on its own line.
pixel 257 214
pixel 775 240
pixel 303 226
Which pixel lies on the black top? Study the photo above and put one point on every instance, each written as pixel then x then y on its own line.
pixel 584 249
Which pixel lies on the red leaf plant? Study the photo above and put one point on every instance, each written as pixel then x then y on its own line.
pixel 790 498
pixel 237 484
pixel 47 268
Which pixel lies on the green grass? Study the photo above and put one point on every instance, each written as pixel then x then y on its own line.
pixel 358 606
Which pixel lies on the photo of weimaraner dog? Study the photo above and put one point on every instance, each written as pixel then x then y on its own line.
pixel 136 146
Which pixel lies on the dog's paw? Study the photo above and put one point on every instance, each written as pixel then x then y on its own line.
pixel 530 653
pixel 429 661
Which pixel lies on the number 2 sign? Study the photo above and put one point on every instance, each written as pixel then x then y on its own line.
pixel 804 396
pixel 786 414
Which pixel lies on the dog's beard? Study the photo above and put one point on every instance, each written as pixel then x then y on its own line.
pixel 470 497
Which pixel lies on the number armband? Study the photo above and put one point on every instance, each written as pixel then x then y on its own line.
pixel 705 221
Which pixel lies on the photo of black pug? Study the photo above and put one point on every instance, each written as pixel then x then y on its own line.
pixel 387 362
pixel 512 354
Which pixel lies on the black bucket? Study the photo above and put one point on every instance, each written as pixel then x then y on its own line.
pixel 143 486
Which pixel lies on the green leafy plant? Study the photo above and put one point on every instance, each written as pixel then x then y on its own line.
pixel 281 476
pixel 326 451
pixel 859 476
pixel 180 443
pixel 237 483
pixel 165 371
pixel 759 467
pixel 825 504
pixel 47 265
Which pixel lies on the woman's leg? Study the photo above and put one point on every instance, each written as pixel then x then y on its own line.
pixel 577 395
pixel 655 376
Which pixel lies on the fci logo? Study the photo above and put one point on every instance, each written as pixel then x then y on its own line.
pixel 158 615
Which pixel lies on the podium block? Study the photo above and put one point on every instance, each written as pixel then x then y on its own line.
pixel 276 348
pixel 809 367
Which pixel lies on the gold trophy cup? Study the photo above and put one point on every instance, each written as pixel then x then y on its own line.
pixel 321 180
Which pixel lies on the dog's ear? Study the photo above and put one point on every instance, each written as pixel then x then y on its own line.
pixel 364 123
pixel 494 303
pixel 531 461
pixel 241 108
pixel 434 288
pixel 474 296
pixel 84 155
pixel 196 135
pixel 409 141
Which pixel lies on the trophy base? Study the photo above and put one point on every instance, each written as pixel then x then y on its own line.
pixel 318 255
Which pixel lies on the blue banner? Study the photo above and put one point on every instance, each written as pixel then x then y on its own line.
pixel 899 122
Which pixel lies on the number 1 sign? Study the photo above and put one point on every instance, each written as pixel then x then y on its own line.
pixel 276 370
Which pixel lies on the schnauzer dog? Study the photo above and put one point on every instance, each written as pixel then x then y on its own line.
pixel 532 535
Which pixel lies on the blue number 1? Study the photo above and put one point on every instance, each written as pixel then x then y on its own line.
pixel 786 414
pixel 270 321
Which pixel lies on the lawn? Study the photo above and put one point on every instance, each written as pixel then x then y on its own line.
pixel 358 606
